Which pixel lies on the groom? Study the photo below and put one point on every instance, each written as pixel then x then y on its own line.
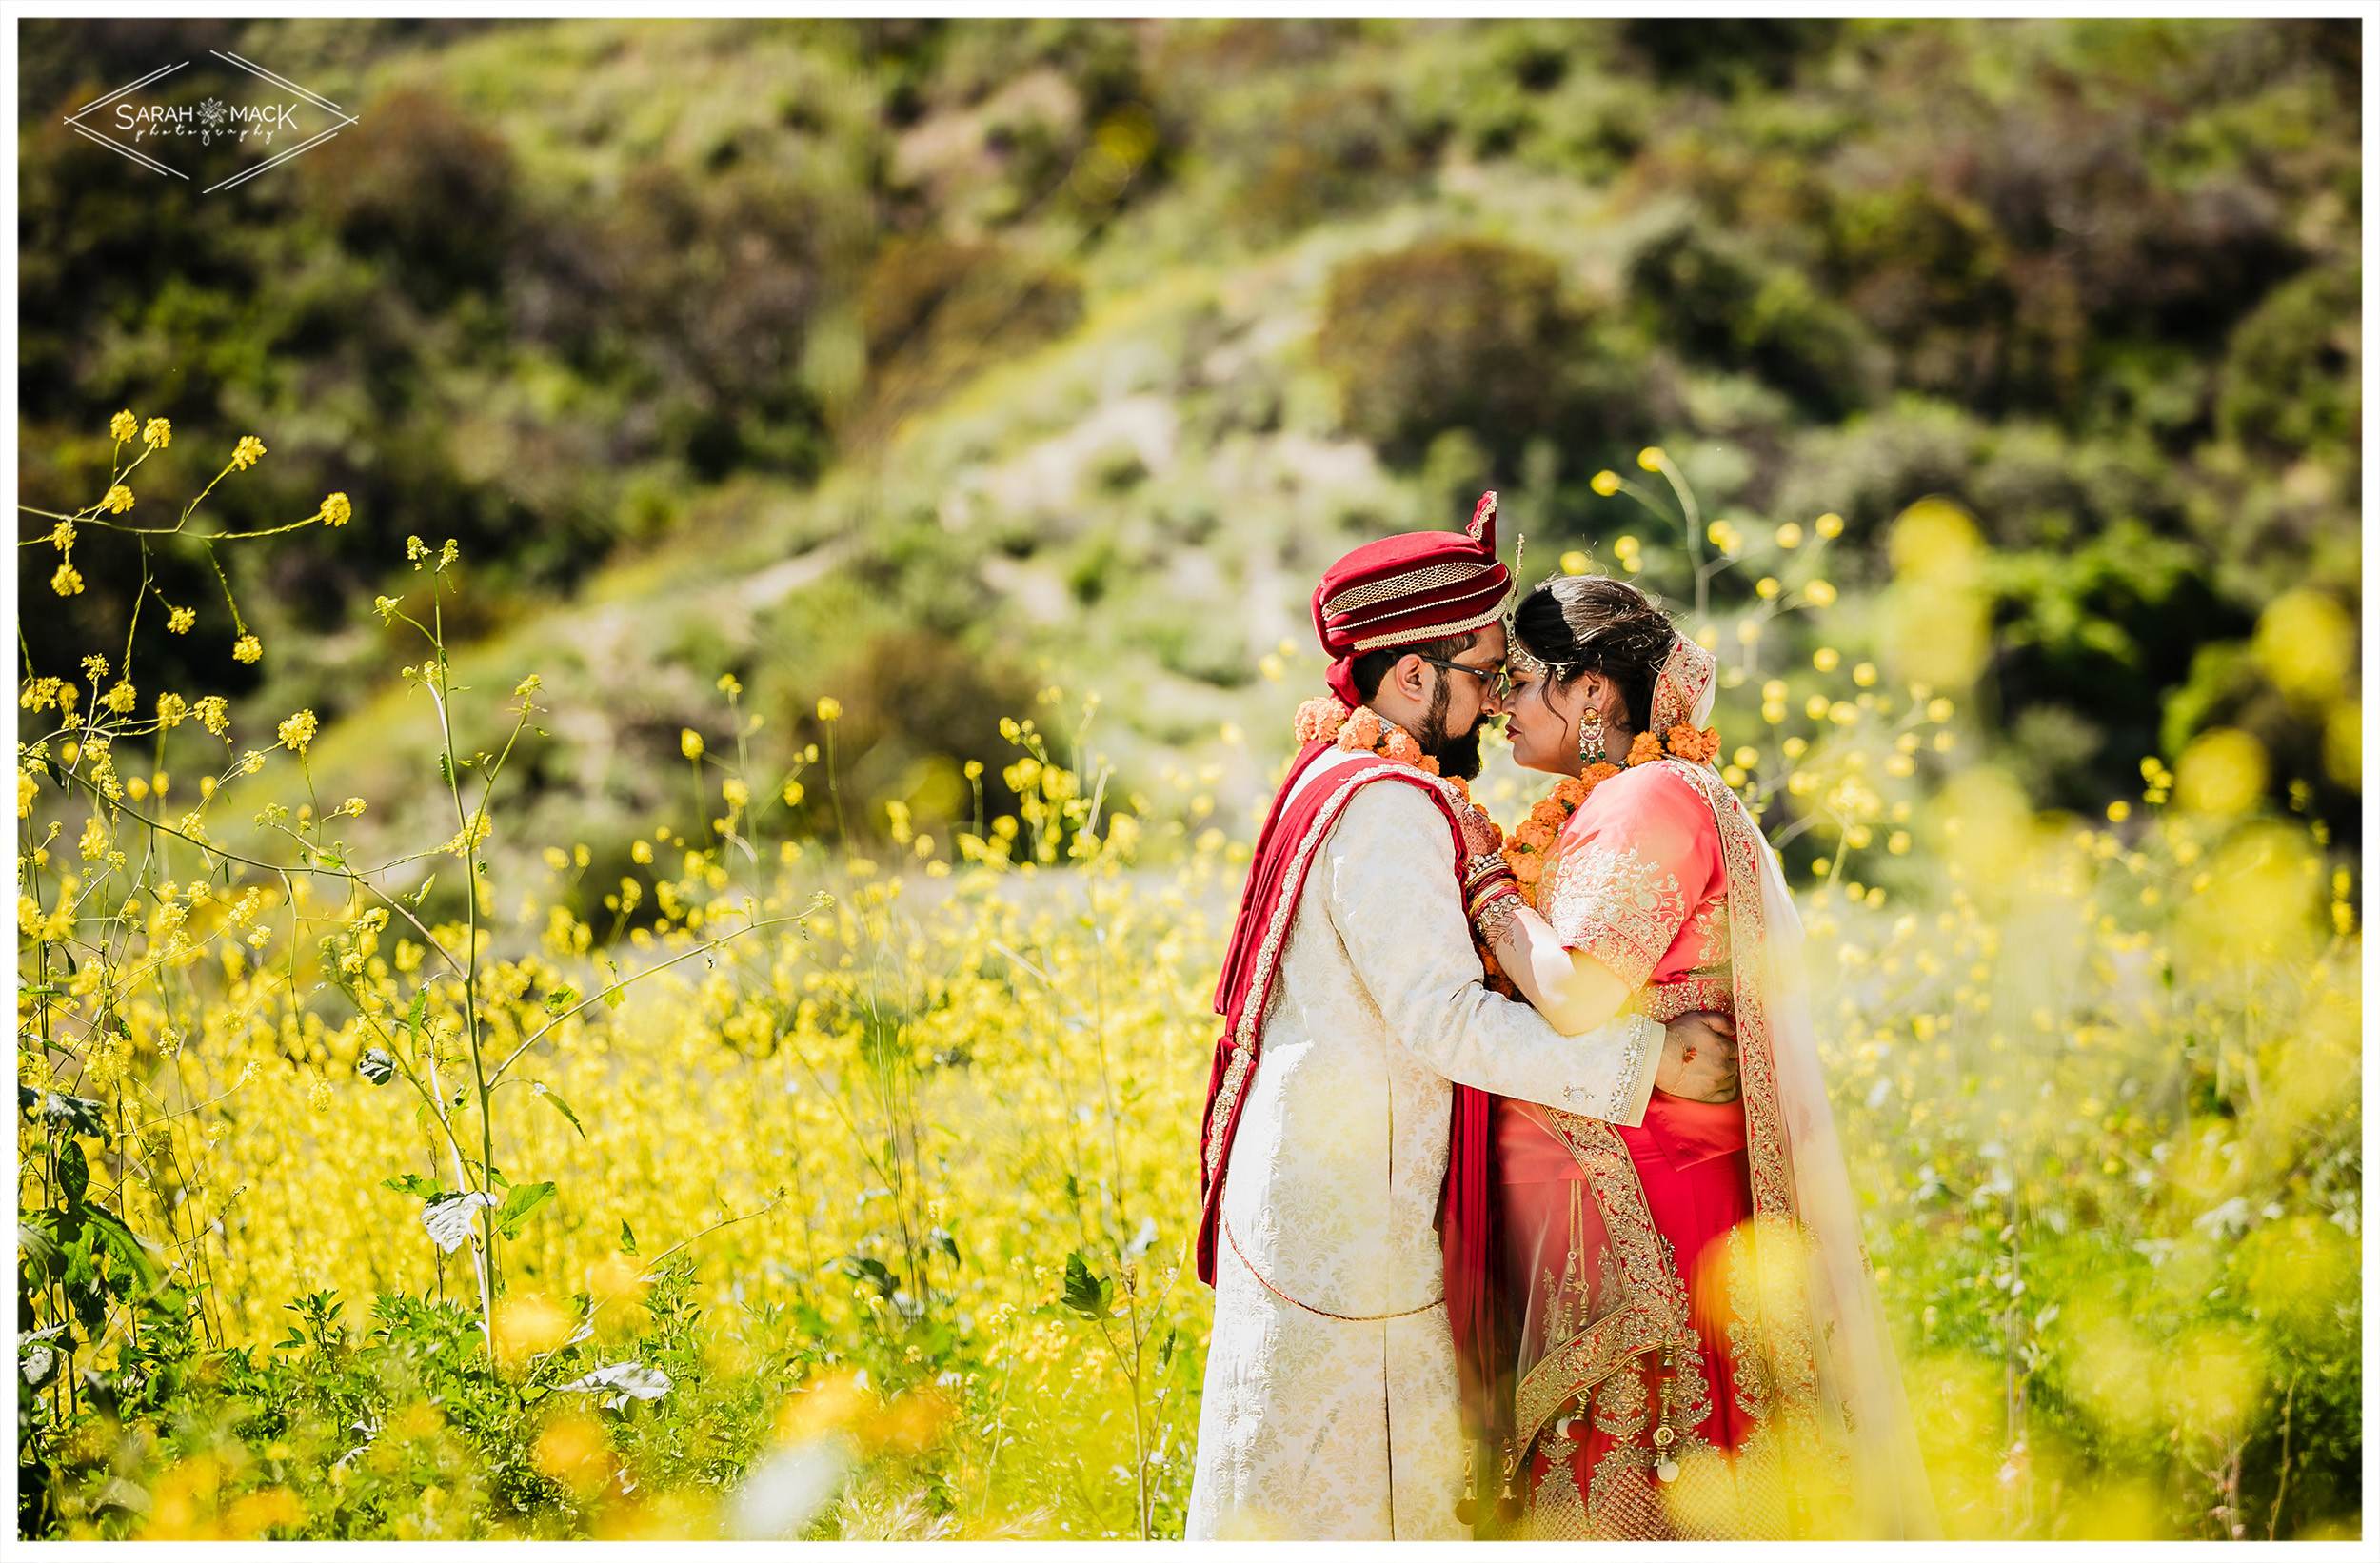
pixel 1354 1003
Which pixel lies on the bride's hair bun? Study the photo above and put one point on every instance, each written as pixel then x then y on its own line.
pixel 1593 623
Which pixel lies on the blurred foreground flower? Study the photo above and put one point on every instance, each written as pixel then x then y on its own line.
pixel 785 1488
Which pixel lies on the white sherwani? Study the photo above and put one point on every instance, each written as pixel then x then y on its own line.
pixel 1317 1427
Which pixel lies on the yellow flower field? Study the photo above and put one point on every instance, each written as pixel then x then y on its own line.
pixel 842 1189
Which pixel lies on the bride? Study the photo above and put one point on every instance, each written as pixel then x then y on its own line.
pixel 1671 1329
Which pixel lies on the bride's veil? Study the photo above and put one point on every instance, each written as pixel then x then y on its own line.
pixel 1862 1409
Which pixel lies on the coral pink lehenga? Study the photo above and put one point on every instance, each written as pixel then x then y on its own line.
pixel 1701 1349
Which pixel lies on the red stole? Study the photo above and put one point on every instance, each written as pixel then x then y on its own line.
pixel 1471 1238
pixel 1284 850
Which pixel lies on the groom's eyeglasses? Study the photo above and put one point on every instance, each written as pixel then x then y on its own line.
pixel 1497 679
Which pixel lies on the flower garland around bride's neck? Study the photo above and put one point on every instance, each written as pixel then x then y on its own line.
pixel 1529 849
pixel 1327 719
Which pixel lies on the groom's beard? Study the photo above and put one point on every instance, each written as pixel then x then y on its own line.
pixel 1456 757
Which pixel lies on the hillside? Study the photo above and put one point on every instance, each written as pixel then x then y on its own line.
pixel 927 365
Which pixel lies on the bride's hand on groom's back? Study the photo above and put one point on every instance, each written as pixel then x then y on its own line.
pixel 1481 835
pixel 1699 1058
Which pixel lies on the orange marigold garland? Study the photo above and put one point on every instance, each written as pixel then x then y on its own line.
pixel 1696 746
pixel 1529 850
pixel 1327 719
pixel 1530 847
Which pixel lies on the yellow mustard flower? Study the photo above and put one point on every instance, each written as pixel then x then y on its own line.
pixel 124 425
pixel 246 453
pixel 474 831
pixel 180 620
pixel 62 536
pixel 247 649
pixel 171 709
pixel 118 499
pixel 67 582
pixel 298 731
pixel 829 708
pixel 689 743
pixel 158 433
pixel 335 511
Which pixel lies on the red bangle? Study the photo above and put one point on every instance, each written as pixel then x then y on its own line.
pixel 1488 886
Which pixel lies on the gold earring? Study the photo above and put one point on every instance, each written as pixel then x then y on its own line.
pixel 1590 737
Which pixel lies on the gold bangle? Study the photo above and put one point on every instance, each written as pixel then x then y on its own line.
pixel 1497 915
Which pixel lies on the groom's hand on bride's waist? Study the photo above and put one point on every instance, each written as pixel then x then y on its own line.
pixel 1698 1058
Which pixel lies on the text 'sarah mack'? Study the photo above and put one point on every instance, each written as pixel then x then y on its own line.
pixel 154 119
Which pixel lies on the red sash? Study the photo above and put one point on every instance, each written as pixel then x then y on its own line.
pixel 1285 848
pixel 1470 1242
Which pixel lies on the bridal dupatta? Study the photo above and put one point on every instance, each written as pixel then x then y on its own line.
pixel 1775 1369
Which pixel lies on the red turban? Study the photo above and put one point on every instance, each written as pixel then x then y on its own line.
pixel 1413 586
